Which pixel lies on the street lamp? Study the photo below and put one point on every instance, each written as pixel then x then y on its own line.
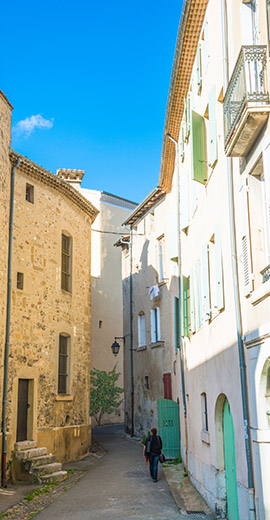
pixel 115 346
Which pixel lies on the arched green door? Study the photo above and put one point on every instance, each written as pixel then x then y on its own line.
pixel 229 460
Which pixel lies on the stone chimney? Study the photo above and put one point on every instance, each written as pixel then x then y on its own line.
pixel 73 177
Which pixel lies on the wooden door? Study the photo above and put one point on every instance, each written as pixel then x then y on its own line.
pixel 22 410
pixel 167 382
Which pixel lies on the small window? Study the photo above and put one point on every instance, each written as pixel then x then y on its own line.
pixel 29 193
pixel 20 281
pixel 146 383
pixel 63 366
pixel 155 325
pixel 204 412
pixel 141 330
pixel 66 262
pixel 100 324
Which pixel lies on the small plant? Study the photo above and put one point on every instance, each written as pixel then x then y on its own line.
pixel 185 472
pixel 4 515
pixel 40 491
pixel 70 471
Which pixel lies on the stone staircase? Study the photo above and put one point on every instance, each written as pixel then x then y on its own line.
pixel 32 464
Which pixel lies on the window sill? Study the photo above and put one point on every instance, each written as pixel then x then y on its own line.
pixel 157 344
pixel 259 294
pixel 205 437
pixel 141 347
pixel 64 397
pixel 66 292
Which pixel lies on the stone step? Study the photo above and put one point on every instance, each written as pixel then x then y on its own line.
pixel 30 454
pixel 41 461
pixel 25 445
pixel 55 467
pixel 55 477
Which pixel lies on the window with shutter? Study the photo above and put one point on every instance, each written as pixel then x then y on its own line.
pixel 155 325
pixel 245 241
pixel 187 117
pixel 199 69
pixel 141 330
pixel 176 323
pixel 219 270
pixel 206 283
pixel 199 161
pixel 212 127
pixel 66 262
pixel 160 246
pixel 185 311
pixel 192 302
pixel 63 363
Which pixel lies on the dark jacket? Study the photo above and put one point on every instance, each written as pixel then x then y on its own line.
pixel 155 444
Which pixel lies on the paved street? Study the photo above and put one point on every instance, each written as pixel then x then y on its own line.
pixel 117 487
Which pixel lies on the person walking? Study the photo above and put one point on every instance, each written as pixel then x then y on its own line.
pixel 152 451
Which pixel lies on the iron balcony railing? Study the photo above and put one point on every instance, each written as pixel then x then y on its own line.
pixel 247 86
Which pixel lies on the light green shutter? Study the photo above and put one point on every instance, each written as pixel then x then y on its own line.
pixel 182 151
pixel 199 69
pixel 198 295
pixel 206 283
pixel 185 306
pixel 212 126
pixel 184 200
pixel 176 323
pixel 192 306
pixel 199 162
pixel 219 270
pixel 187 116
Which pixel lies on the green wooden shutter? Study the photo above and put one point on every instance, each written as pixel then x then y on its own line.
pixel 212 126
pixel 184 200
pixel 219 270
pixel 192 303
pixel 181 143
pixel 199 69
pixel 206 283
pixel 185 306
pixel 176 323
pixel 199 162
pixel 187 116
pixel 198 295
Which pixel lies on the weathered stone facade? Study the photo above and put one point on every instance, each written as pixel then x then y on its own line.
pixel 41 310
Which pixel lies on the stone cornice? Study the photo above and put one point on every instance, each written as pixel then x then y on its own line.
pixel 37 172
pixel 191 23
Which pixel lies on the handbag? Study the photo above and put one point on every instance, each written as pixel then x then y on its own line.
pixel 162 458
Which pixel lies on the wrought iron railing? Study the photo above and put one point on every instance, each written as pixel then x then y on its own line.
pixel 247 85
pixel 266 274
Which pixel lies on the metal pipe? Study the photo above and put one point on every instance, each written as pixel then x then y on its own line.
pixel 180 307
pixel 7 338
pixel 237 303
pixel 131 332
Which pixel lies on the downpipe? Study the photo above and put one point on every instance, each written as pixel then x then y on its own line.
pixel 7 336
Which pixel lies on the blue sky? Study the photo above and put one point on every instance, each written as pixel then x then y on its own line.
pixel 98 74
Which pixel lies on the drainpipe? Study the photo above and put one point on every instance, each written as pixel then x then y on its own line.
pixel 131 333
pixel 180 307
pixel 6 353
pixel 242 366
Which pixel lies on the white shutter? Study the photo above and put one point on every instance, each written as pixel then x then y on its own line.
pixel 192 303
pixel 158 323
pixel 142 339
pixel 153 326
pixel 206 45
pixel 206 284
pixel 139 331
pixel 245 257
pixel 184 200
pixel 219 270
pixel 266 169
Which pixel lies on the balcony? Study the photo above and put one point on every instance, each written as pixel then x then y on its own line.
pixel 246 102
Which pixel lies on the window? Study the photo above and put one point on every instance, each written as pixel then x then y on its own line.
pixel 146 383
pixel 20 281
pixel 199 69
pixel 185 307
pixel 29 193
pixel 155 325
pixel 199 160
pixel 176 324
pixel 66 262
pixel 160 260
pixel 141 330
pixel 167 385
pixel 63 365
pixel 204 412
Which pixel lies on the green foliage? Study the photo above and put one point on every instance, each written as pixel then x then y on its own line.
pixel 40 491
pixel 104 394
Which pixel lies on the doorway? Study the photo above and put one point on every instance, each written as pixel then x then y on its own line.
pixel 229 463
pixel 23 407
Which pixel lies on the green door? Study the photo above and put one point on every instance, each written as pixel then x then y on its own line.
pixel 229 459
pixel 169 427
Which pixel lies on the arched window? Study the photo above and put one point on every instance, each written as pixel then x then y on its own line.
pixel 64 364
pixel 141 330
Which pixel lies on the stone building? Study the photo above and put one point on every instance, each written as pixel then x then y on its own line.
pixel 106 276
pixel 49 362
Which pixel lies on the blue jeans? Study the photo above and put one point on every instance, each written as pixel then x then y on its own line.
pixel 153 461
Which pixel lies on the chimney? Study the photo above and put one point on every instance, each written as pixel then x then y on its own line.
pixel 73 177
